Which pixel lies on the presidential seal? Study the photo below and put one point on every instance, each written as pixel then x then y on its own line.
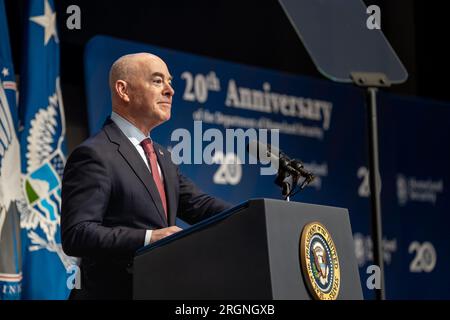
pixel 320 262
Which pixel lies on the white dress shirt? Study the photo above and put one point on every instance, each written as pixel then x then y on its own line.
pixel 135 136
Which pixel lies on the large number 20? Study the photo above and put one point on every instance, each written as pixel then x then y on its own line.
pixel 196 88
pixel 425 258
pixel 230 169
pixel 364 189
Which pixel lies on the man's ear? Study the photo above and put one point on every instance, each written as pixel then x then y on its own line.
pixel 122 90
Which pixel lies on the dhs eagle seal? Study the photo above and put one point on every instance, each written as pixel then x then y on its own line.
pixel 320 262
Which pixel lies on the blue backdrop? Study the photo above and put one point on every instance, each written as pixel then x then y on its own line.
pixel 323 124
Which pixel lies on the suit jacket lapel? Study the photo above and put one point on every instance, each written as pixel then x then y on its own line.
pixel 169 178
pixel 134 160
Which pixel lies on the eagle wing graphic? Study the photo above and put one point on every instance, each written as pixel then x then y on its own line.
pixel 10 186
pixel 44 150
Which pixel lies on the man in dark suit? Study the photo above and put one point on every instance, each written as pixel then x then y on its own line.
pixel 120 190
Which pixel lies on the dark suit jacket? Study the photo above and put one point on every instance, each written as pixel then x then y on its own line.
pixel 109 200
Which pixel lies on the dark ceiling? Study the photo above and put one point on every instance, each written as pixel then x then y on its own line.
pixel 250 32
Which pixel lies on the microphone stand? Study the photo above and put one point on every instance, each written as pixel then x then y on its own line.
pixel 289 175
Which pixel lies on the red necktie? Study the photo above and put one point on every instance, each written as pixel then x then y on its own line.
pixel 147 145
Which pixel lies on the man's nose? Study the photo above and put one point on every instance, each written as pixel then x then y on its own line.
pixel 168 91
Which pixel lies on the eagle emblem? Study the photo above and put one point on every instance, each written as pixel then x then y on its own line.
pixel 319 261
pixel 41 183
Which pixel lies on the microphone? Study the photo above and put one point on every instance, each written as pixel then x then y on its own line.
pixel 298 165
pixel 281 160
pixel 289 170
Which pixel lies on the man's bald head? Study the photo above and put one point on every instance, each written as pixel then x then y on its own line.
pixel 141 90
pixel 127 67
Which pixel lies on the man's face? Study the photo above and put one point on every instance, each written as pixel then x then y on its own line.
pixel 151 92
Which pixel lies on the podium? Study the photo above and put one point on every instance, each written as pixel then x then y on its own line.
pixel 252 251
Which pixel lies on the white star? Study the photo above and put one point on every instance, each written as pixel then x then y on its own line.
pixel 5 72
pixel 48 21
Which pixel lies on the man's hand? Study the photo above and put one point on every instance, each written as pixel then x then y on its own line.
pixel 162 233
